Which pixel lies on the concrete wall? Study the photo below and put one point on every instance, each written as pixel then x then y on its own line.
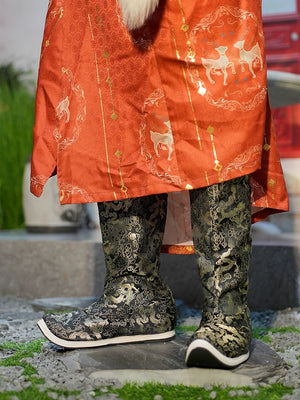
pixel 21 31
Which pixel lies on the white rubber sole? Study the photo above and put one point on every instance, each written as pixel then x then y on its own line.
pixel 201 353
pixel 80 344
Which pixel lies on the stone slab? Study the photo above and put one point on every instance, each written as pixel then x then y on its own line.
pixel 192 377
pixel 284 88
pixel 72 266
pixel 164 362
pixel 145 362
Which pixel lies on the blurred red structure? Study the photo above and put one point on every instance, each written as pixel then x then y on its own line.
pixel 282 35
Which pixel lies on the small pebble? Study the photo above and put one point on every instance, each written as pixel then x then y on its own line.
pixel 52 395
pixel 253 385
pixel 158 397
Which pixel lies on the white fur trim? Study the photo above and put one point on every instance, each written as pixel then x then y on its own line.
pixel 136 12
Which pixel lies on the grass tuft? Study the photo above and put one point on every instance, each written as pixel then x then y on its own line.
pixel 21 351
pixel 148 391
pixel 264 334
pixel 16 123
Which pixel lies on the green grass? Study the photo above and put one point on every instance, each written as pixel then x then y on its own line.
pixel 129 391
pixel 168 392
pixel 263 334
pixel 185 328
pixel 33 393
pixel 16 123
pixel 180 392
pixel 21 351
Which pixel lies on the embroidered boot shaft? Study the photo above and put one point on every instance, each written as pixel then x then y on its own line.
pixel 221 225
pixel 136 305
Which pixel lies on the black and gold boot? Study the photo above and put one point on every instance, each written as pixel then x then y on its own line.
pixel 221 225
pixel 136 305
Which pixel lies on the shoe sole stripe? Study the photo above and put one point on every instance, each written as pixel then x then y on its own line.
pixel 202 353
pixel 76 344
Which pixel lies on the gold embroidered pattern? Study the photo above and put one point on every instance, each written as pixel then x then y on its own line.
pixel 105 55
pixel 57 12
pixel 156 138
pixel 101 106
pixel 207 179
pixel 67 191
pixel 245 160
pixel 266 146
pixel 63 110
pixel 124 188
pixel 188 89
pixel 218 167
pixel 219 61
pixel 272 184
pixel 38 180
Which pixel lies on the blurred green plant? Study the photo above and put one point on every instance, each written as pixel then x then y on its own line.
pixel 16 122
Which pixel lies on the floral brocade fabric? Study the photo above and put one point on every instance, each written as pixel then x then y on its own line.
pixel 129 306
pixel 221 222
pixel 135 300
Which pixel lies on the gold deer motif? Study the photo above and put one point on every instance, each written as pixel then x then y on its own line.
pixel 163 139
pixel 248 57
pixel 213 66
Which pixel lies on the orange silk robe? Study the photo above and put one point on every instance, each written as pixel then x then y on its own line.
pixel 181 103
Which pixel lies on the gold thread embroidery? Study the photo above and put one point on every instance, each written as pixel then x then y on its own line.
pixel 266 146
pixel 105 55
pixel 63 110
pixel 272 183
pixel 124 188
pixel 188 89
pixel 48 40
pixel 190 58
pixel 254 94
pixel 218 167
pixel 102 109
pixel 206 176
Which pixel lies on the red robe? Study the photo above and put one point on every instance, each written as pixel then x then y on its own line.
pixel 181 103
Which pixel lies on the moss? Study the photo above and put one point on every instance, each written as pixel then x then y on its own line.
pixel 183 328
pixel 264 334
pixel 33 393
pixel 149 390
pixel 179 392
pixel 21 351
pixel 132 391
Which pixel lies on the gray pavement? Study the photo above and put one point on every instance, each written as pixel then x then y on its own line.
pixel 87 370
pixel 51 265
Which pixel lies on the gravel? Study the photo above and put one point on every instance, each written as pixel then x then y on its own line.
pixel 18 324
